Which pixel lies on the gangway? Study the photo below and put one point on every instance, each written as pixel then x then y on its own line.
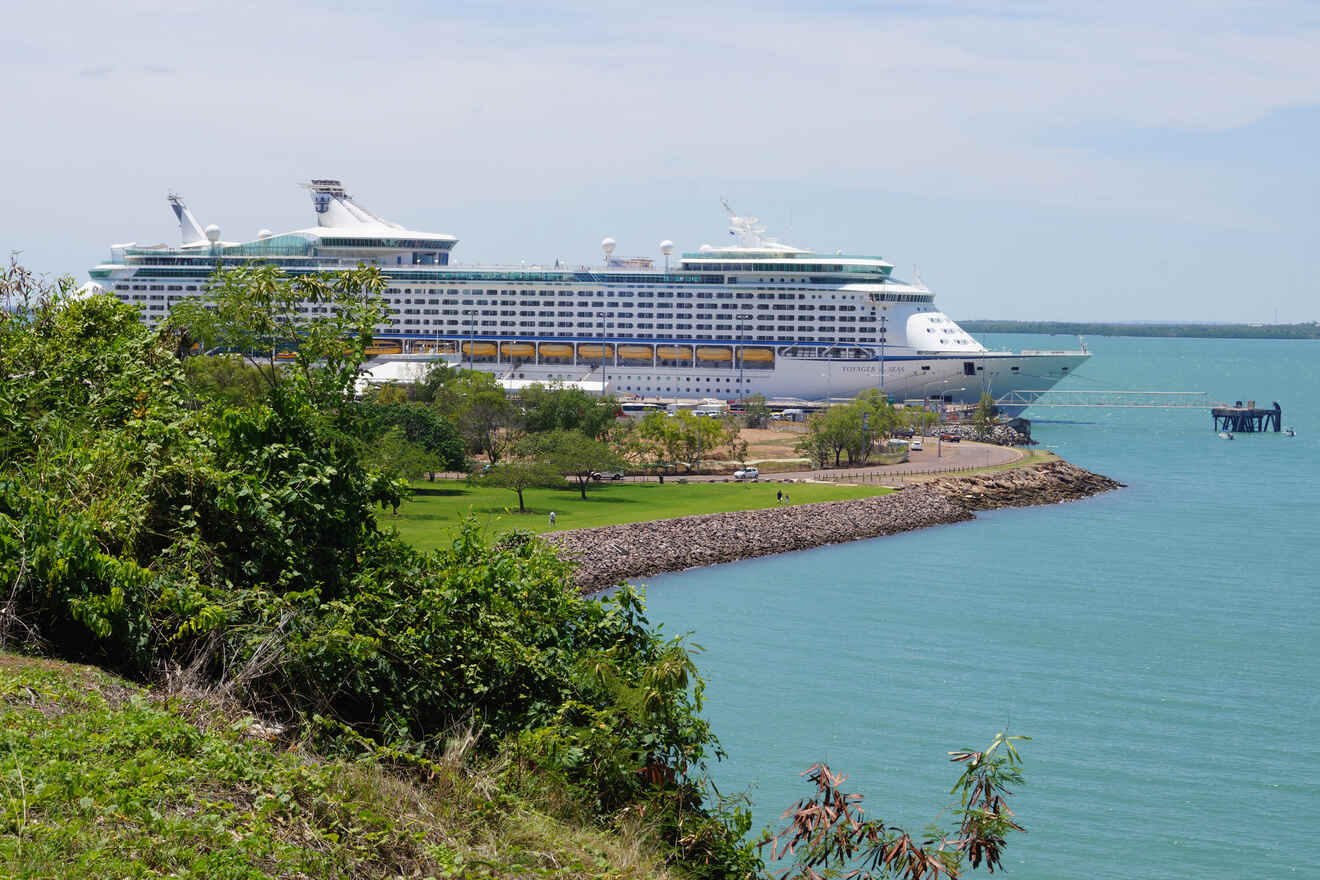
pixel 1122 399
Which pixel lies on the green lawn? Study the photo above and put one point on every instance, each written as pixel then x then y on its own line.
pixel 436 509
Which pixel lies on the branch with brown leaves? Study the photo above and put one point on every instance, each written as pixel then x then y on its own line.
pixel 828 836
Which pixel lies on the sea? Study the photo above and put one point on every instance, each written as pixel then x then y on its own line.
pixel 1160 644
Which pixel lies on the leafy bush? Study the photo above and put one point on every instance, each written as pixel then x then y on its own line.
pixel 142 532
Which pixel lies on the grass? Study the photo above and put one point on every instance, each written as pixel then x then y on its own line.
pixel 100 778
pixel 431 518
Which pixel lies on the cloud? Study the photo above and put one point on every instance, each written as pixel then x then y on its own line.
pixel 1021 103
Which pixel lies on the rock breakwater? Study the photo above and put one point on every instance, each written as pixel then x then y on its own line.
pixel 1048 483
pixel 606 555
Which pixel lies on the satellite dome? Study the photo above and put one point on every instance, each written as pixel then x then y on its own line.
pixel 607 245
pixel 666 247
pixel 264 233
pixel 213 233
pixel 705 248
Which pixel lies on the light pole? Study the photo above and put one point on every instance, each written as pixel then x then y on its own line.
pixel 603 373
pixel 742 347
pixel 939 412
pixel 470 314
pixel 882 353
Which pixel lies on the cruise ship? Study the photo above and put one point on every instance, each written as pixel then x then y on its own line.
pixel 753 315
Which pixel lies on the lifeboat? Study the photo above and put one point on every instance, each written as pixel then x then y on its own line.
pixel 287 355
pixel 596 350
pixel 479 349
pixel 707 353
pixel 556 350
pixel 518 349
pixel 384 346
pixel 673 353
pixel 635 352
pixel 758 355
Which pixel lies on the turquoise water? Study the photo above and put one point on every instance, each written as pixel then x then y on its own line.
pixel 1159 643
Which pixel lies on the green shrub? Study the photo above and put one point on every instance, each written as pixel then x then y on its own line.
pixel 141 531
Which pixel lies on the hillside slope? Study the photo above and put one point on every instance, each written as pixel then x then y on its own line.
pixel 102 778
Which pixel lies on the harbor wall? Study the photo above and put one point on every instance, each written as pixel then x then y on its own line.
pixel 607 555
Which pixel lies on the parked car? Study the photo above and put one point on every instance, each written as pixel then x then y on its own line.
pixel 950 438
pixel 747 473
pixel 599 476
pixel 915 444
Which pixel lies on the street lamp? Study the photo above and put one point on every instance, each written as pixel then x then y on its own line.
pixel 470 314
pixel 882 353
pixel 939 412
pixel 742 346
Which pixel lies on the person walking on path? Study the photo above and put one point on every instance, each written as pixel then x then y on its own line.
pixel 552 518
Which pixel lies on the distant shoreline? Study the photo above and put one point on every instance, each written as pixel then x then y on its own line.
pixel 1164 331
pixel 606 555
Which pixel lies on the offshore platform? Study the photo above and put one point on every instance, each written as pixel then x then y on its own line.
pixel 1239 419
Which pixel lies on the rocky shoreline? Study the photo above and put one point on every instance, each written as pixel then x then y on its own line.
pixel 606 555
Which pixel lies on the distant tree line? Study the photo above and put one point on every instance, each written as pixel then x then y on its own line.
pixel 1309 330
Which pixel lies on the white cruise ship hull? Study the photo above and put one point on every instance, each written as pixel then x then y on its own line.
pixel 757 316
pixel 953 380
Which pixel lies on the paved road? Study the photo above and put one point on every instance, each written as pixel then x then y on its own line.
pixel 935 458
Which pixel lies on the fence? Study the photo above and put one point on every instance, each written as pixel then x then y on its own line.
pixel 886 476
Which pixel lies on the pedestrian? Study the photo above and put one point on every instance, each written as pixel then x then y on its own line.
pixel 552 518
pixel 779 497
pixel 786 501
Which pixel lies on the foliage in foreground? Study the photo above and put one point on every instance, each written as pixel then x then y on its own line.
pixel 235 546
pixel 828 833
pixel 99 778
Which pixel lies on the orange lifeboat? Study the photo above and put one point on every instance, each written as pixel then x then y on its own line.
pixel 635 352
pixel 673 353
pixel 713 354
pixel 595 350
pixel 556 350
pixel 517 349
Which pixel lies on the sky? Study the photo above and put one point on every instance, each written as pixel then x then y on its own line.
pixel 1035 160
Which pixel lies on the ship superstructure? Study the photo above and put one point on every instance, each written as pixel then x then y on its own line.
pixel 756 316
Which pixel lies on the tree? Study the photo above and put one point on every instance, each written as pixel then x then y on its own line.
pixel 483 413
pixel 652 442
pixel 421 425
pixel 828 835
pixel 984 417
pixel 398 458
pixel 828 434
pixel 693 436
pixel 755 412
pixel 556 407
pixel 850 428
pixel 227 379
pixel 258 312
pixel 520 474
pixel 918 419
pixel 738 449
pixel 575 454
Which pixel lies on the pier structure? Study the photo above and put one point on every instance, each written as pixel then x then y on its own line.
pixel 1239 419
pixel 1111 399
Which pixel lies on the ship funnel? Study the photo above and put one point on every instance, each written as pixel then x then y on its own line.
pixel 189 229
